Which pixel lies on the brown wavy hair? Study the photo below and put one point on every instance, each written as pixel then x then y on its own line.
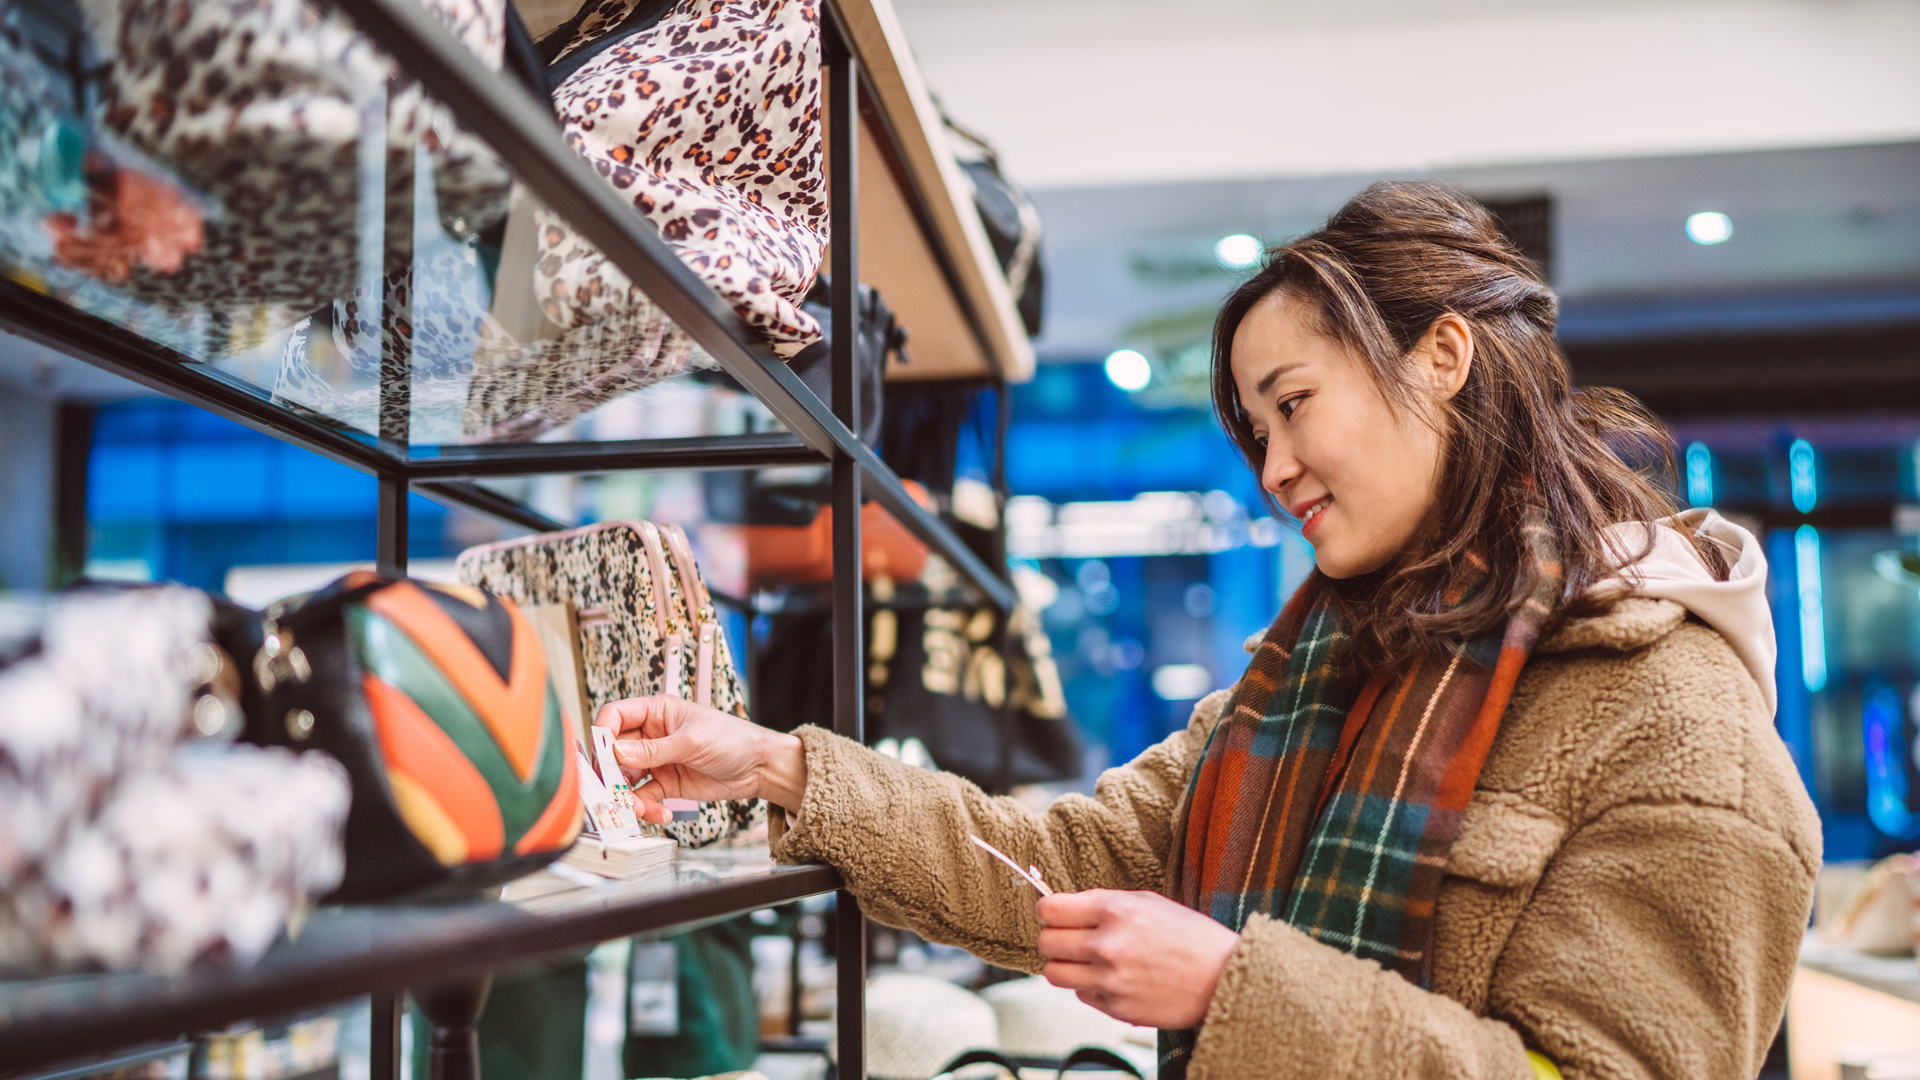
pixel 1519 439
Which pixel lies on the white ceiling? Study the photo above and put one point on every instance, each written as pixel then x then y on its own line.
pixel 1085 92
pixel 1820 236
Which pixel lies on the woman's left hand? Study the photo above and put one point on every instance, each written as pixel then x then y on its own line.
pixel 1136 956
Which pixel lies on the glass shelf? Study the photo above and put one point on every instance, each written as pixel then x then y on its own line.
pixel 391 289
pixel 342 952
pixel 344 250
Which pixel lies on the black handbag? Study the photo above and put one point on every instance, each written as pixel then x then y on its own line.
pixel 880 337
pixel 436 700
pixel 1012 223
pixel 977 700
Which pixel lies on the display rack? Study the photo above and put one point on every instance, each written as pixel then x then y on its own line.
pixel 444 955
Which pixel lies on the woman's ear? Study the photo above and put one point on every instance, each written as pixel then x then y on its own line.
pixel 1445 354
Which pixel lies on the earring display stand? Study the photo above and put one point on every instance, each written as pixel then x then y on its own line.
pixel 924 244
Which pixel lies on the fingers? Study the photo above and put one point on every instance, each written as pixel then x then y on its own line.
pixel 652 812
pixel 1103 1002
pixel 1075 946
pixel 1075 909
pixel 1071 976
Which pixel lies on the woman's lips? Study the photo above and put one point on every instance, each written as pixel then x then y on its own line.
pixel 1310 520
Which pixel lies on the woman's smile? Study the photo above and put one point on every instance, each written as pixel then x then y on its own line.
pixel 1309 513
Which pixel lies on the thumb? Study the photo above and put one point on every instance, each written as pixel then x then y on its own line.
pixel 642 756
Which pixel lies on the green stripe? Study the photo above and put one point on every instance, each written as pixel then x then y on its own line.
pixel 387 651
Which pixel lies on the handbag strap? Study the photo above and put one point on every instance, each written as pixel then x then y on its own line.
pixel 983 1057
pixel 521 58
pixel 657 571
pixel 693 591
pixel 1098 1057
pixel 645 15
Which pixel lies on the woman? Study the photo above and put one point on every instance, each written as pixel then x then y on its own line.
pixel 1499 791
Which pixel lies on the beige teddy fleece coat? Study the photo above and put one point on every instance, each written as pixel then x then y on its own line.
pixel 1626 894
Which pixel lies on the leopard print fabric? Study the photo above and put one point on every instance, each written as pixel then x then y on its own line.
pixel 431 318
pixel 626 611
pixel 709 124
pixel 258 105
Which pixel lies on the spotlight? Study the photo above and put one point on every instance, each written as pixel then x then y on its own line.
pixel 1238 251
pixel 1129 370
pixel 1709 227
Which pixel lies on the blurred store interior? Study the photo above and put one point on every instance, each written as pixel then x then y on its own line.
pixel 1725 193
pixel 1727 197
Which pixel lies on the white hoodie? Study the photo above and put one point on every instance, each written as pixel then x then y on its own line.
pixel 1673 570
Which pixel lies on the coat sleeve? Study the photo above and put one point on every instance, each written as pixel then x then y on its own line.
pixel 898 835
pixel 1658 943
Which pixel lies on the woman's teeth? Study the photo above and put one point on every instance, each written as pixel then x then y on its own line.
pixel 1314 510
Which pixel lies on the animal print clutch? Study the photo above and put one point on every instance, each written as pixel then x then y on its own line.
pixel 646 626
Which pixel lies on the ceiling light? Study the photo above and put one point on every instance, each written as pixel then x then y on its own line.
pixel 1129 370
pixel 1238 251
pixel 1709 227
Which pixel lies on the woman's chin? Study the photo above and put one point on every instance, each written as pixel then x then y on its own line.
pixel 1340 565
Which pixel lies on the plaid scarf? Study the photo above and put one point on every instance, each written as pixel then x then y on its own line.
pixel 1331 803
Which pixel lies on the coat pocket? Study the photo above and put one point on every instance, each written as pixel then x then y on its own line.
pixel 1504 842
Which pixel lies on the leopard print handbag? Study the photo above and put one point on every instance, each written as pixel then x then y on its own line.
pixel 259 106
pixel 708 123
pixel 647 626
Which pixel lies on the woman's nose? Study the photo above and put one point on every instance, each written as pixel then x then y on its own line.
pixel 1279 470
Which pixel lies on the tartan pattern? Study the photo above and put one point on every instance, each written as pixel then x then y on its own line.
pixel 1332 804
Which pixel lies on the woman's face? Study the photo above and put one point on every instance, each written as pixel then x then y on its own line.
pixel 1360 475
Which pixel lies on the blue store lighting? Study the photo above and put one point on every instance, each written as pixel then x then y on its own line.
pixel 1699 475
pixel 1800 475
pixel 1883 726
pixel 1813 620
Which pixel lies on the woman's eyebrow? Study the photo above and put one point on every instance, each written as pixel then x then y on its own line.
pixel 1266 381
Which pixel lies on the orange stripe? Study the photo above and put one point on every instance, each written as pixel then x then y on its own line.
pixel 1463 772
pixel 559 823
pixel 411 742
pixel 514 711
pixel 1350 734
pixel 1365 781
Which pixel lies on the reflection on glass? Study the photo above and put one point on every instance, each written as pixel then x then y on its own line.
pixel 256 187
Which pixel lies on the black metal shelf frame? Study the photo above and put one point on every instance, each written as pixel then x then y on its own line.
pixel 522 130
pixel 346 952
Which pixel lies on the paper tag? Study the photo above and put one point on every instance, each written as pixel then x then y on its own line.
pixel 619 799
pixel 593 795
pixel 558 630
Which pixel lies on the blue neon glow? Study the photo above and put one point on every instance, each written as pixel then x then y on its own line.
pixel 1883 727
pixel 1800 475
pixel 1813 621
pixel 1699 475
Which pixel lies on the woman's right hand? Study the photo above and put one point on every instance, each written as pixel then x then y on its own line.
pixel 700 753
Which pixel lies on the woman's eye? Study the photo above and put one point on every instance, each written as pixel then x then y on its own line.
pixel 1287 407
